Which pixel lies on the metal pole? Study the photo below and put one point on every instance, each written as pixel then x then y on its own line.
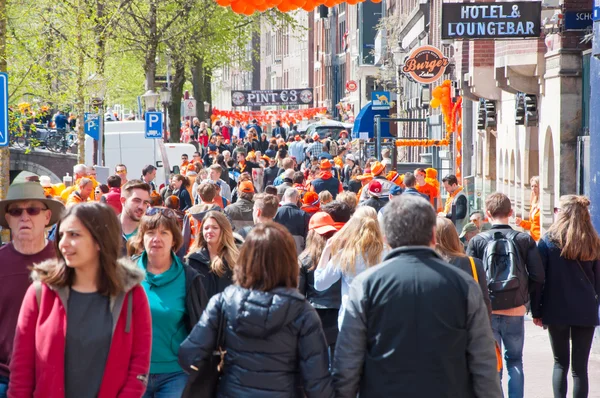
pixel 101 133
pixel 378 136
pixel 164 121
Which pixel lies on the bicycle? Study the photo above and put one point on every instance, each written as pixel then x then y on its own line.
pixel 61 141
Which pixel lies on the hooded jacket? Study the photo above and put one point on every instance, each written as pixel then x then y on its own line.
pixel 240 213
pixel 274 344
pixel 38 363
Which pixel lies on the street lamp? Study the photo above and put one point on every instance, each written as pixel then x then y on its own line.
pixel 165 98
pixel 206 110
pixel 151 100
pixel 96 85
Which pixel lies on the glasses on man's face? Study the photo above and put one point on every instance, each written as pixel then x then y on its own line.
pixel 32 211
pixel 121 171
pixel 196 156
pixel 163 211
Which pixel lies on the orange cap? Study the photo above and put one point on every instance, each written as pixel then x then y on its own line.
pixel 311 199
pixel 246 186
pixel 321 223
pixel 326 164
pixel 377 168
pixel 265 157
pixel 367 174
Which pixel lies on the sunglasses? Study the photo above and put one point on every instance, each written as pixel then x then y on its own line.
pixel 32 211
pixel 163 211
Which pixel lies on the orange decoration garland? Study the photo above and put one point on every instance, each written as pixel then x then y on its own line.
pixel 288 117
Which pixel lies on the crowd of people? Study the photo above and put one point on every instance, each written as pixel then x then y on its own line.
pixel 292 281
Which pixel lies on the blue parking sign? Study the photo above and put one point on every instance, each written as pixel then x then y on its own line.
pixel 91 125
pixel 154 125
pixel 4 139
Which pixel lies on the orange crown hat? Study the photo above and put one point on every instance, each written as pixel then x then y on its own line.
pixel 325 164
pixel 246 186
pixel 311 199
pixel 377 168
pixel 394 177
pixel 431 173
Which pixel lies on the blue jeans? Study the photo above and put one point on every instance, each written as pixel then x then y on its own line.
pixel 3 388
pixel 509 332
pixel 166 385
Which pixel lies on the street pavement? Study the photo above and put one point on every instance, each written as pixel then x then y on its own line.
pixel 538 362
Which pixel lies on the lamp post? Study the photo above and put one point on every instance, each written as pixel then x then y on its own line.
pixel 165 98
pixel 97 88
pixel 150 100
pixel 206 110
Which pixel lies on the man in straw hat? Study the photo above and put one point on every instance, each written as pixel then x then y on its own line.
pixel 27 213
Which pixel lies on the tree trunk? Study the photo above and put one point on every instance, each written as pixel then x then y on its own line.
pixel 176 95
pixel 198 86
pixel 208 91
pixel 150 61
pixel 4 151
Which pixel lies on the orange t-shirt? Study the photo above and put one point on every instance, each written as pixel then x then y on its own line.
pixel 428 190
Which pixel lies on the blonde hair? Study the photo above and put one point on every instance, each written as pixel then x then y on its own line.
pixel 535 199
pixel 228 252
pixel 325 197
pixel 448 243
pixel 360 237
pixel 573 231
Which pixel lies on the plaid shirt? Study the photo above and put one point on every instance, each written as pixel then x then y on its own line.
pixel 315 149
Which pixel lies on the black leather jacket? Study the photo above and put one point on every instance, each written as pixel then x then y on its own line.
pixel 274 344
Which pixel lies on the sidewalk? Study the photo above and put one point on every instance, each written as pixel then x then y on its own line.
pixel 538 362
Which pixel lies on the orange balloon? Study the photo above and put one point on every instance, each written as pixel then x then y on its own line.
pixel 238 6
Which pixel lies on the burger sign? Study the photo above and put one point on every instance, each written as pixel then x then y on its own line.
pixel 425 64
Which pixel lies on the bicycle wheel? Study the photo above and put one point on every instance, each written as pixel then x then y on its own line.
pixel 53 143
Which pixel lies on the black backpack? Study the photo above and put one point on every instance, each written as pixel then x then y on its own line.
pixel 506 275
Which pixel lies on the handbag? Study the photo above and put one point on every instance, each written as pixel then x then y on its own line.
pixel 204 376
pixel 499 363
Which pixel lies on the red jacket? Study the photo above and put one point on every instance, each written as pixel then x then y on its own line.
pixel 38 362
pixel 113 199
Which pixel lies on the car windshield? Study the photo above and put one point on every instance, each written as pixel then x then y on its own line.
pixel 325 131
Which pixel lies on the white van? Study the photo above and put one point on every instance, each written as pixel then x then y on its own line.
pixel 125 143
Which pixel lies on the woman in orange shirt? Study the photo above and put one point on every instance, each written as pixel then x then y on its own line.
pixel 533 225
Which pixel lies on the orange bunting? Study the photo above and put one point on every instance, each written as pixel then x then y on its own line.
pixel 288 117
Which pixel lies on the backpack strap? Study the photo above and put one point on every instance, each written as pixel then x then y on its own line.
pixel 473 269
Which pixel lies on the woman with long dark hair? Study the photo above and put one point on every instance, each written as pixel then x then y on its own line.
pixel 272 338
pixel 327 303
pixel 570 252
pixel 449 246
pixel 180 189
pixel 84 329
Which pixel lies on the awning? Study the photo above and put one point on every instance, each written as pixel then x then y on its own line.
pixel 364 122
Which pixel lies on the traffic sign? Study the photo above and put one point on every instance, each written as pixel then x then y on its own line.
pixel 351 86
pixel 4 109
pixel 91 123
pixel 189 107
pixel 154 125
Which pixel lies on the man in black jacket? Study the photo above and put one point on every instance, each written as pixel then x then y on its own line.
pixel 415 326
pixel 271 172
pixel 508 323
pixel 295 220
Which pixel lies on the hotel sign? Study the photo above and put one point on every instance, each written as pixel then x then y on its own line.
pixel 499 20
